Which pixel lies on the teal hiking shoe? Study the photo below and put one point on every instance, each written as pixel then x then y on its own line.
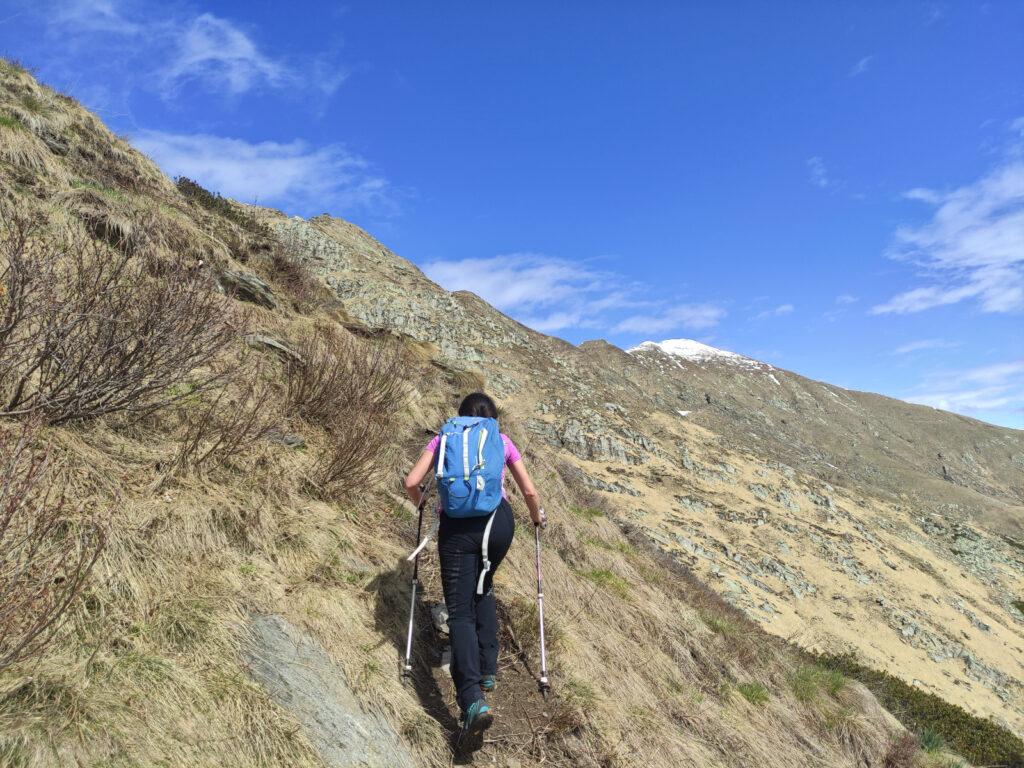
pixel 477 719
pixel 488 683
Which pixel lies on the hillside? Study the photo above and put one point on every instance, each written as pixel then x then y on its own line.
pixel 709 519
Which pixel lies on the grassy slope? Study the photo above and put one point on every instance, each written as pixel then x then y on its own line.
pixel 649 667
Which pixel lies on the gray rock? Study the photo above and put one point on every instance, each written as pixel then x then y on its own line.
pixel 248 287
pixel 270 344
pixel 300 676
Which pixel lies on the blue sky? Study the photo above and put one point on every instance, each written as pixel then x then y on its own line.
pixel 835 188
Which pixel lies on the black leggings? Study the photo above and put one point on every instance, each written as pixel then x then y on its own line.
pixel 472 618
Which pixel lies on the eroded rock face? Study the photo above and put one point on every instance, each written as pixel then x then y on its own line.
pixel 299 675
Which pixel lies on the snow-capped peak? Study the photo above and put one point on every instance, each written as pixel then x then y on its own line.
pixel 688 349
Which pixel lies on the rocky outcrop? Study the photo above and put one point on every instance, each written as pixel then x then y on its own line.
pixel 298 674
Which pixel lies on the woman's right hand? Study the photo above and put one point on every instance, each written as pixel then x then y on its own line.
pixel 539 518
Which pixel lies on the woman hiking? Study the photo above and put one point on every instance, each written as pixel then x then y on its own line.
pixel 469 456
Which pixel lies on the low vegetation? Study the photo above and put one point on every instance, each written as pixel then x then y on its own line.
pixel 938 723
pixel 47 546
pixel 87 331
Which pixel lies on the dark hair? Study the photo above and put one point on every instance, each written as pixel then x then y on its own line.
pixel 478 404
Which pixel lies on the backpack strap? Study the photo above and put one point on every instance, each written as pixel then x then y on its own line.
pixel 440 456
pixel 483 551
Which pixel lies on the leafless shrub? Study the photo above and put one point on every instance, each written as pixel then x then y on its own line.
pixel 86 330
pixel 294 276
pixel 902 752
pixel 46 549
pixel 231 417
pixel 354 392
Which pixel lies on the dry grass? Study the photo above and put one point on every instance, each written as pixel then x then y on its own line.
pixel 47 547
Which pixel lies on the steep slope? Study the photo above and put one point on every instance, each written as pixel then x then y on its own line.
pixel 824 514
pixel 234 596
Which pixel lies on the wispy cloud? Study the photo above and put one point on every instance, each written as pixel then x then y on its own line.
pixel 215 51
pixel 294 175
pixel 694 317
pixel 544 292
pixel 862 66
pixel 157 46
pixel 779 311
pixel 842 303
pixel 924 344
pixel 817 172
pixel 972 249
pixel 998 387
pixel 95 16
pixel 551 294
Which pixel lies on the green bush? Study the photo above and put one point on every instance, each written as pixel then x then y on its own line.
pixel 1019 605
pixel 214 203
pixel 981 741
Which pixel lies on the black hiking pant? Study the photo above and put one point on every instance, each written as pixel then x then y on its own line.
pixel 472 617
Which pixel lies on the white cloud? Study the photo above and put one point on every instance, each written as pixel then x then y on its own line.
pixel 924 344
pixel 976 390
pixel 550 294
pixel 846 299
pixel 972 249
pixel 150 45
pixel 214 50
pixel 818 173
pixel 294 175
pixel 518 281
pixel 691 316
pixel 861 66
pixel 779 311
pixel 95 16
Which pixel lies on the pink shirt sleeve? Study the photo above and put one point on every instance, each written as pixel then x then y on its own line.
pixel 435 441
pixel 512 454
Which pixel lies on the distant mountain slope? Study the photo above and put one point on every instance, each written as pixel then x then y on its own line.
pixel 812 508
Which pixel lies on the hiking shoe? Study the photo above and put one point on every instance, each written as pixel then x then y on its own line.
pixel 477 718
pixel 488 683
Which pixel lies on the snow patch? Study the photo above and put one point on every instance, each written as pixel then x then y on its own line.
pixel 684 414
pixel 688 349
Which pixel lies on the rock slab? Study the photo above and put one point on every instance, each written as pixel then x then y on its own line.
pixel 301 678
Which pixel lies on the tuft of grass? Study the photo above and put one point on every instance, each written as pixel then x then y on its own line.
pixel 755 693
pixel 932 742
pixel 586 513
pixel 811 679
pixel 608 580
pixel 10 122
pixel 980 741
pixel 579 693
pixel 1019 605
pixel 720 625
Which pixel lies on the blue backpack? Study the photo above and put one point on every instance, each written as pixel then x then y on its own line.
pixel 470 460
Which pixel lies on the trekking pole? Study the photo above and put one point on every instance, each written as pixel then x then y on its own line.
pixel 407 664
pixel 543 684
